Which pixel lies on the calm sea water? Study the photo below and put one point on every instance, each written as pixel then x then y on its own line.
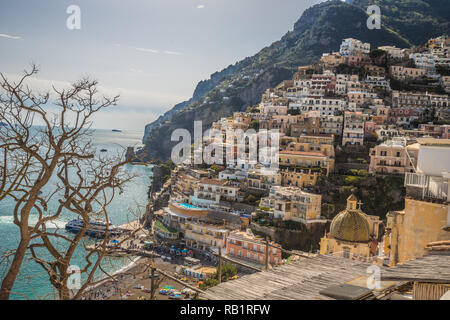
pixel 33 280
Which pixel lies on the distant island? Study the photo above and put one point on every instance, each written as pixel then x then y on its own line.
pixel 116 130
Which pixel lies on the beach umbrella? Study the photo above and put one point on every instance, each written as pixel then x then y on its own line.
pixel 115 241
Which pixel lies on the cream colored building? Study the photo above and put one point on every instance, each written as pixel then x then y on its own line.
pixel 426 217
pixel 393 156
pixel 403 73
pixel 203 236
pixel 291 203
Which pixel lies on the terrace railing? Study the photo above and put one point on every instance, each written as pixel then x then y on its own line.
pixel 426 187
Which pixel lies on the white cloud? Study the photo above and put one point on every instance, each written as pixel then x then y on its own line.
pixel 201 6
pixel 173 53
pixel 135 107
pixel 147 50
pixel 136 70
pixel 3 35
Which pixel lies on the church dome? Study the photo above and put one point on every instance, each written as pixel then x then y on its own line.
pixel 351 224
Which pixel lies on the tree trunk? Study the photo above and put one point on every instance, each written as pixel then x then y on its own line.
pixel 14 269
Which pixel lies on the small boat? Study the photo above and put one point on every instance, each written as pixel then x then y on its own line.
pixel 116 130
pixel 95 228
pixel 103 150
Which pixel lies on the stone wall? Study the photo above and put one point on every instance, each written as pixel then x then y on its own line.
pixel 305 239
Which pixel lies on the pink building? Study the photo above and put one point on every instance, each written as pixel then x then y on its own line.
pixel 369 127
pixel 393 156
pixel 401 116
pixel 243 246
pixel 358 60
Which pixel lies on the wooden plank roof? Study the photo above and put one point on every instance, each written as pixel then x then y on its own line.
pixel 300 280
pixel 429 268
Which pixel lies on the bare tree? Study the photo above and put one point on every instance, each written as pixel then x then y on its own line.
pixel 54 162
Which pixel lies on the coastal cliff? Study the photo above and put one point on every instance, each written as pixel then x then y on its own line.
pixel 320 29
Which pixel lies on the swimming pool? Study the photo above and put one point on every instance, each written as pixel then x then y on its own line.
pixel 188 206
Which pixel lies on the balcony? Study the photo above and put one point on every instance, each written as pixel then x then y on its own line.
pixel 423 187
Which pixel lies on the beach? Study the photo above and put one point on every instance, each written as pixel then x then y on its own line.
pixel 133 276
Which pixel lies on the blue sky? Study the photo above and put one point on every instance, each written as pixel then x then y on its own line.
pixel 151 52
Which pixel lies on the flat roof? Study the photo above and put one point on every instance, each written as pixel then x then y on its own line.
pixel 303 153
pixel 433 141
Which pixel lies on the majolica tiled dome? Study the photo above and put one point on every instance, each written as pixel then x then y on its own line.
pixel 351 224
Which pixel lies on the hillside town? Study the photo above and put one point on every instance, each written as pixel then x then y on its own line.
pixel 361 113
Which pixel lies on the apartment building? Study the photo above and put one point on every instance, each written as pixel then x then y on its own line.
pixel 361 97
pixel 401 116
pixel 326 106
pixel 424 61
pixel 263 178
pixel 291 203
pixel 445 82
pixel 304 151
pixel 353 133
pixel 242 245
pixel 210 191
pixel 274 108
pixel 393 156
pixel 322 84
pixel 304 160
pixel 331 124
pixel 403 73
pixel 358 60
pixel 331 60
pixel 425 217
pixel 351 46
pixel 393 52
pixel 298 177
pixel 202 236
pixel 342 81
pixel 419 100
pixel 305 125
pixel 375 71
pixel 378 82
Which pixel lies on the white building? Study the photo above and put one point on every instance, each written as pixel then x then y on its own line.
pixel 393 52
pixel 352 46
pixel 209 191
pixel 424 61
pixel 353 133
pixel 326 106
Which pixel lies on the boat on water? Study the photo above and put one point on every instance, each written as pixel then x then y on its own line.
pixel 116 130
pixel 103 150
pixel 95 228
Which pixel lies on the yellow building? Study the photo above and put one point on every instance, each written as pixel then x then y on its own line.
pixel 291 203
pixel 353 234
pixel 202 236
pixel 410 230
pixel 298 178
pixel 322 143
pixel 311 150
pixel 185 183
pixel 426 217
pixel 307 160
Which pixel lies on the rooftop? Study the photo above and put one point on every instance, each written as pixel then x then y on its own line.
pixel 300 280
pixel 303 153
